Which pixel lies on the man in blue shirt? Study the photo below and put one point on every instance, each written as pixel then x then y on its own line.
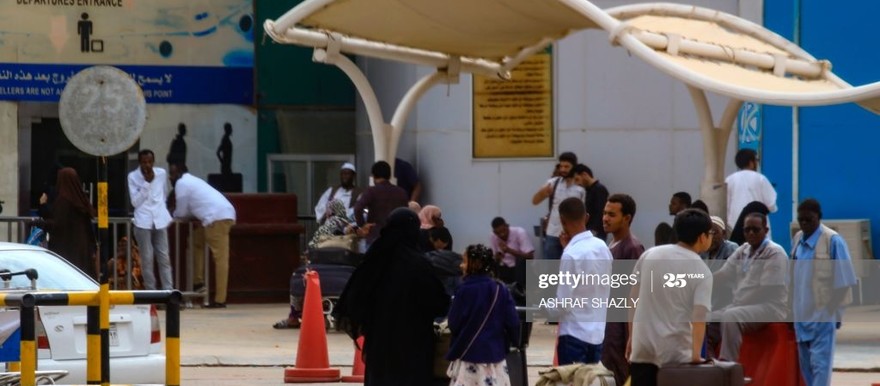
pixel 823 277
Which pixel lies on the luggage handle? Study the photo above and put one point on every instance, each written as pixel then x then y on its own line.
pixel 708 361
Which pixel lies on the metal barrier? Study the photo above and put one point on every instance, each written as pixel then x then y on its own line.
pixel 17 229
pixel 97 328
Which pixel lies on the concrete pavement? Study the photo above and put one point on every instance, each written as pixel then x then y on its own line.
pixel 238 346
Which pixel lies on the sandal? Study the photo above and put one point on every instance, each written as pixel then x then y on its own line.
pixel 285 323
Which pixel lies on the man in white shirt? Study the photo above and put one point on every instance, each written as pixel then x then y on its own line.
pixel 556 190
pixel 758 271
pixel 146 188
pixel 581 328
pixel 345 192
pixel 194 198
pixel 747 185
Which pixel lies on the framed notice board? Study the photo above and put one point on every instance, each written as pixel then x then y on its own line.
pixel 514 118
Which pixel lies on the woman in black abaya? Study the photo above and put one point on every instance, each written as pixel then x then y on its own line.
pixel 737 235
pixel 392 299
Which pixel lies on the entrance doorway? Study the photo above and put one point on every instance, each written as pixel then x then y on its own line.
pixel 50 150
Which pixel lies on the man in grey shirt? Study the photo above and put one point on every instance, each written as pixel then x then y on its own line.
pixel 758 271
pixel 675 295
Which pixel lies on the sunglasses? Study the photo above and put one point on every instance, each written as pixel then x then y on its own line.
pixel 752 229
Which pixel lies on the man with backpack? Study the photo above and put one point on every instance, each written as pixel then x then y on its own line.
pixel 555 190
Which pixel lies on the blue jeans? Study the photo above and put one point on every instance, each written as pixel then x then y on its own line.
pixel 573 350
pixel 552 248
pixel 154 242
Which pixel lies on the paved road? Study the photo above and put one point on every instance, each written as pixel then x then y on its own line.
pixel 238 346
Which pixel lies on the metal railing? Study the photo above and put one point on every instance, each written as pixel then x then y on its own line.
pixel 16 229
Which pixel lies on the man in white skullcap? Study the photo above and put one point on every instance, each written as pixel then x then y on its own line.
pixel 721 247
pixel 719 251
pixel 346 192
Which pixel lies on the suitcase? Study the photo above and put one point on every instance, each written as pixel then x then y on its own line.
pixel 332 278
pixel 334 256
pixel 517 367
pixel 714 373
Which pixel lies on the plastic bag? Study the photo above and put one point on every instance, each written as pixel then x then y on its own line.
pixel 36 237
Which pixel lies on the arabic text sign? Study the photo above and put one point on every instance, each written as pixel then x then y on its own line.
pixel 169 84
pixel 515 118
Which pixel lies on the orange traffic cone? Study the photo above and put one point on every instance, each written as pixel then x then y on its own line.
pixel 357 369
pixel 312 358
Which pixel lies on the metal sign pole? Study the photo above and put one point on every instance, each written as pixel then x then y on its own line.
pixel 104 248
pixel 102 112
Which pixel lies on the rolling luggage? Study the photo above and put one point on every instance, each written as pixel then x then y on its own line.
pixel 517 367
pixel 714 373
pixel 333 278
pixel 334 256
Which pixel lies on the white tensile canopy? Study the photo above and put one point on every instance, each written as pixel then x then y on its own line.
pixel 706 49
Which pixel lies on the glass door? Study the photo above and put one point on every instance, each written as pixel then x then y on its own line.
pixel 308 176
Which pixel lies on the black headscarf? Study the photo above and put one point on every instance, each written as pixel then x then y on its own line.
pixel 737 235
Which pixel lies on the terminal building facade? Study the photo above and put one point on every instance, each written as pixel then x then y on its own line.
pixel 634 126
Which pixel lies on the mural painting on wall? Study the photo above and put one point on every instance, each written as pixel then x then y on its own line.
pixel 203 137
pixel 175 50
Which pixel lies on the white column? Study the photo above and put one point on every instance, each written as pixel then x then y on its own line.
pixel 713 191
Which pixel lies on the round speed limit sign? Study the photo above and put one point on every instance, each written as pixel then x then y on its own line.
pixel 102 111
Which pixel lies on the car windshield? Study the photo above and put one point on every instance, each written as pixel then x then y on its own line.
pixel 54 273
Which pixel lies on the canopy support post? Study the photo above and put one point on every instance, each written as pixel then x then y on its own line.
pixel 386 136
pixel 713 190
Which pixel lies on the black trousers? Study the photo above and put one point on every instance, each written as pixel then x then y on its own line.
pixel 507 274
pixel 643 374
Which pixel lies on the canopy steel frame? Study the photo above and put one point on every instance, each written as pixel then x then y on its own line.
pixel 386 135
pixel 784 60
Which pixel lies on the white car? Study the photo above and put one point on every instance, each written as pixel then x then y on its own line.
pixel 135 338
